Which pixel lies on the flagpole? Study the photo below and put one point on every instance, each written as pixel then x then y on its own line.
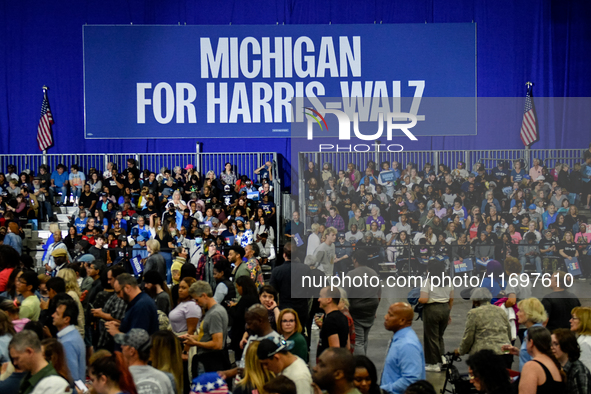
pixel 45 88
pixel 526 154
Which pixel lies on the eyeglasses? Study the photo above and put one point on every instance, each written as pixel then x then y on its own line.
pixel 288 321
pixel 574 318
pixel 471 377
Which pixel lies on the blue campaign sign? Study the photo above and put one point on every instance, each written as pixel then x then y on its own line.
pixel 238 81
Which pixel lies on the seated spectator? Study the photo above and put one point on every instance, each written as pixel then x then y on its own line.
pixel 529 252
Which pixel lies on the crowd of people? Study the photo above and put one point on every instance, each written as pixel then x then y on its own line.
pixel 158 286
pixel 406 216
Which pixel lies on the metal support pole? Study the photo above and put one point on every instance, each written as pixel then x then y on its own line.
pixel 198 157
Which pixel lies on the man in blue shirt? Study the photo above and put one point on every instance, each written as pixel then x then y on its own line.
pixel 405 361
pixel 141 308
pixel 59 183
pixel 64 319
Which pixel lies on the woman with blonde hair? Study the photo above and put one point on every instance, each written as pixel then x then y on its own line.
pixel 155 260
pixel 166 357
pixel 73 290
pixel 580 323
pixel 255 376
pixel 289 326
pixel 531 313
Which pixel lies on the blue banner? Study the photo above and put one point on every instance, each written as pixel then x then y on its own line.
pixel 238 81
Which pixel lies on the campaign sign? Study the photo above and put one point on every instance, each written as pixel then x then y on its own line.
pixel 298 240
pixel 572 266
pixel 136 264
pixel 145 81
pixel 387 176
pixel 463 266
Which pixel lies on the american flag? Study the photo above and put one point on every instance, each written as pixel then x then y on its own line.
pixel 44 134
pixel 529 132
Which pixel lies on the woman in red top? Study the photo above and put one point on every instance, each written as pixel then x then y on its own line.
pixel 9 258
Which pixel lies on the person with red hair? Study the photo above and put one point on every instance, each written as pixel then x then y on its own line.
pixel 111 375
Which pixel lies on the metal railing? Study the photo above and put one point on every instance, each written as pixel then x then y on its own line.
pixel 244 164
pixel 490 159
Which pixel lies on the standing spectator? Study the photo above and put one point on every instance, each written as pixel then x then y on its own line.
pixel 364 300
pixel 289 326
pixel 110 374
pixel 567 351
pixel 249 296
pixel 64 319
pixel 275 356
pixel 141 311
pixel 366 376
pixel 286 278
pixel 487 327
pixel 488 373
pixel 334 327
pixel 335 372
pixel 531 313
pixel 156 288
pixel 73 290
pixel 113 309
pixel 166 357
pixel 580 323
pixel 313 239
pixel 254 375
pixel 543 366
pixel 559 303
pixel 155 260
pixel 224 290
pixel 211 354
pixel 12 237
pixel 135 347
pixel 6 334
pixel 185 317
pixel 438 301
pixel 26 285
pixel 405 362
pixel 27 355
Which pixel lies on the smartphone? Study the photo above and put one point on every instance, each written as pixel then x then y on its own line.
pixel 81 386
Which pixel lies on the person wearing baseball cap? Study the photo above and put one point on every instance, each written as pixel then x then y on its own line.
pixel 135 346
pixel 274 355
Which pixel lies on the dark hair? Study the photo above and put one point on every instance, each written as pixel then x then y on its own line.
pixel 36 327
pixel 238 250
pixel 360 256
pixel 490 369
pixel 343 360
pixel 365 362
pixel 31 278
pixel 153 277
pixel 567 341
pixel 114 368
pixel 56 284
pixel 280 384
pixel 420 387
pixel 9 257
pixel 435 266
pixel 223 267
pixel 71 310
pixel 55 354
pixel 287 250
pixel 269 290
pixel 248 286
pixel 542 340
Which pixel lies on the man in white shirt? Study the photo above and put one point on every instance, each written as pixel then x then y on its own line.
pixel 274 356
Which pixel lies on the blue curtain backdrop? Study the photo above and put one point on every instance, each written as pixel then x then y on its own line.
pixel 544 41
